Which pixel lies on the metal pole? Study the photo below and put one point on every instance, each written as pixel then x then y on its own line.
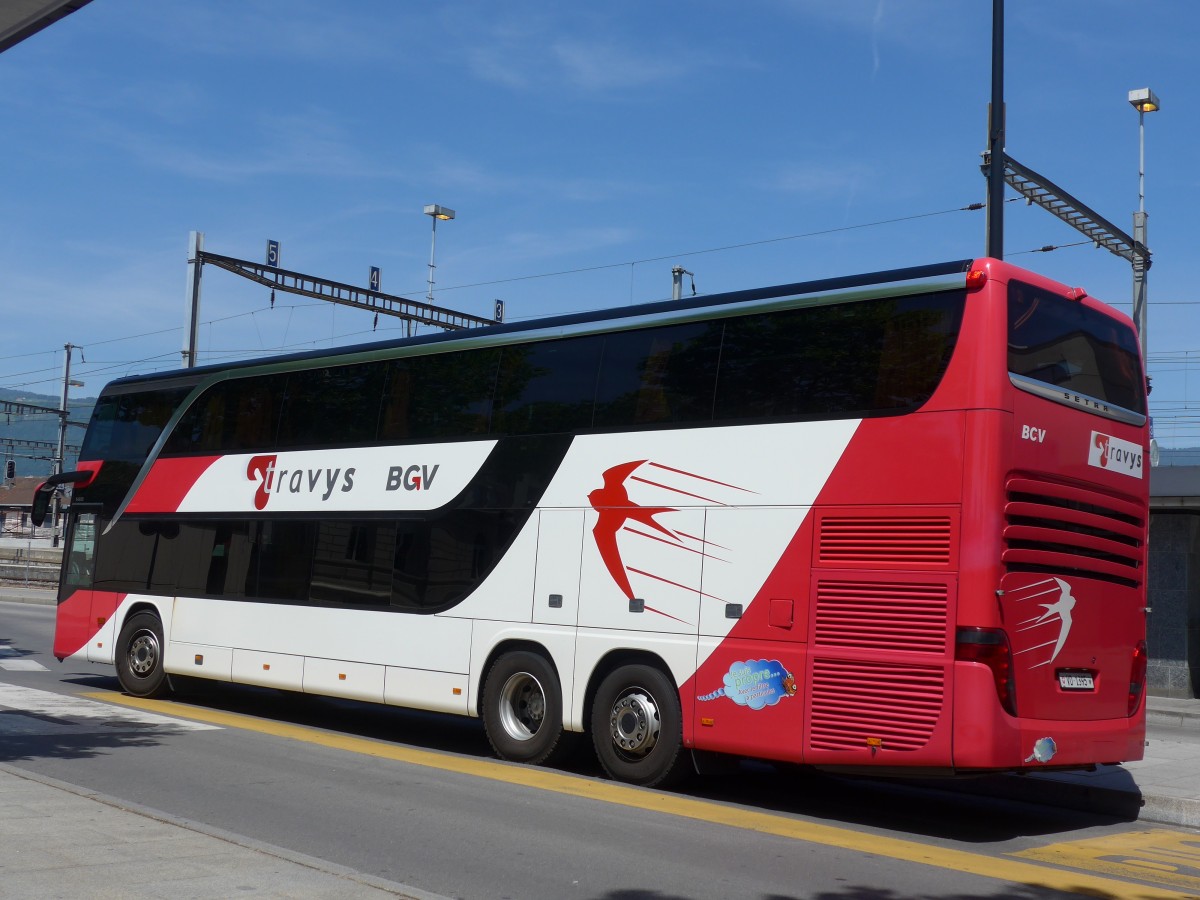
pixel 995 191
pixel 1141 160
pixel 192 323
pixel 432 251
pixel 1140 263
pixel 62 438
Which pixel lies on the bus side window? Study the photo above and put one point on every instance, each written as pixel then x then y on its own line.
pixel 658 375
pixel 331 405
pixel 451 394
pixel 397 396
pixel 547 387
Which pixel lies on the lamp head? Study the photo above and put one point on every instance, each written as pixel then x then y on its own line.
pixel 439 212
pixel 1144 100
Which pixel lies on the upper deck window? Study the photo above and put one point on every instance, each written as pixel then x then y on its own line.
pixel 1070 346
pixel 125 426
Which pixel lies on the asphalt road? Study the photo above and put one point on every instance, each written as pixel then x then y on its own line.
pixel 416 798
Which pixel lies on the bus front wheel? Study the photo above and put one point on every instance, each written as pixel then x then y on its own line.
pixel 637 726
pixel 140 656
pixel 522 709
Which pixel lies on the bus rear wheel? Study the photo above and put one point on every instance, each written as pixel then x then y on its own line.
pixel 140 656
pixel 522 709
pixel 637 726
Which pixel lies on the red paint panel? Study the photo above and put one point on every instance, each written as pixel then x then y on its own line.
pixel 79 618
pixel 168 483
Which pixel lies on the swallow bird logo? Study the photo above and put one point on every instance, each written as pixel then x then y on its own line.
pixel 617 513
pixel 1056 614
pixel 614 509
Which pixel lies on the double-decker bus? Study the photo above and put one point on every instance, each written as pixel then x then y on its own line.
pixel 892 522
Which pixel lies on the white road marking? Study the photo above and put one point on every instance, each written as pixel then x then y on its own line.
pixel 22 665
pixel 64 706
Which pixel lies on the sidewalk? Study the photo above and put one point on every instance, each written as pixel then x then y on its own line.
pixel 1162 787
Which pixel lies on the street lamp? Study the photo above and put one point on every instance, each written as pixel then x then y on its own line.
pixel 1143 100
pixel 435 212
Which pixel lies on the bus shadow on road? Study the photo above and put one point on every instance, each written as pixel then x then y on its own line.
pixel 941 808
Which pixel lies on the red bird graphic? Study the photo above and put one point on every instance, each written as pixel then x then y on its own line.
pixel 614 507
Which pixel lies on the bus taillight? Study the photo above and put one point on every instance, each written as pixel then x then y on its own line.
pixel 1137 677
pixel 990 647
pixel 976 279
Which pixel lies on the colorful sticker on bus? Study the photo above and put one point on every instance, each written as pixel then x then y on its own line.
pixel 756 684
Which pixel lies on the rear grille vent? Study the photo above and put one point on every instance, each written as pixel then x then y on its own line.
pixel 857 704
pixel 863 540
pixel 1058 528
pixel 877 616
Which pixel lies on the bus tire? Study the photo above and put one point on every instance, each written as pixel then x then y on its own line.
pixel 140 656
pixel 523 710
pixel 637 726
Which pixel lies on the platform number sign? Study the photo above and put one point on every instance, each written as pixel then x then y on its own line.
pixel 499 314
pixel 273 254
pixel 374 280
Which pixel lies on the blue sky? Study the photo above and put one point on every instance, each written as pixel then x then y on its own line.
pixel 753 143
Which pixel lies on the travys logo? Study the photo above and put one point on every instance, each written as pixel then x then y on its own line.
pixel 342 479
pixel 316 481
pixel 1050 628
pixel 652 531
pixel 1115 455
pixel 322 481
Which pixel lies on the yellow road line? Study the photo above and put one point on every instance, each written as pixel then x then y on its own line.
pixel 1171 857
pixel 1002 869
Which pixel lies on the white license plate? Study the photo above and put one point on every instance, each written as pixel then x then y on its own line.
pixel 1070 681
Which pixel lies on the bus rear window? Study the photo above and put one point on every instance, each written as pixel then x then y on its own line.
pixel 1065 344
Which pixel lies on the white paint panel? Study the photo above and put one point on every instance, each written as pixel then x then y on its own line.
pixel 420 689
pixel 559 549
pixel 278 670
pixel 199 661
pixel 101 647
pixel 742 548
pixel 338 678
pixel 662 569
pixel 439 643
pixel 782 465
pixel 410 477
pixel 507 593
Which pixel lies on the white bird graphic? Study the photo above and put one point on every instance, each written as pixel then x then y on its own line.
pixel 1060 609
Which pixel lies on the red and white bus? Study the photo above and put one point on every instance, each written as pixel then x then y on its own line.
pixel 890 522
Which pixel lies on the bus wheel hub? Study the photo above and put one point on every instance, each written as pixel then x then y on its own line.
pixel 635 723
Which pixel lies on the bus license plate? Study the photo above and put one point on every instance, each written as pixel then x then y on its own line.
pixel 1075 681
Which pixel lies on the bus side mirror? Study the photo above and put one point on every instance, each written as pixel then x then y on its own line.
pixel 41 503
pixel 45 492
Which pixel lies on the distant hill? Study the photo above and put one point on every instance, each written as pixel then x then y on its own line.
pixel 40 427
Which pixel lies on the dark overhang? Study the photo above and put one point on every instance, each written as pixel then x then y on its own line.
pixel 20 19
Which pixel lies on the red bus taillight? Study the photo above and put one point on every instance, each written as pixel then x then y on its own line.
pixel 990 647
pixel 1137 677
pixel 976 279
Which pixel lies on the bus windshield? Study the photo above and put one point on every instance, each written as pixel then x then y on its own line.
pixel 1070 346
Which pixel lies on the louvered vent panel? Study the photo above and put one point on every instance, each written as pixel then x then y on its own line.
pixel 854 703
pixel 1051 527
pixel 875 616
pixel 871 540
